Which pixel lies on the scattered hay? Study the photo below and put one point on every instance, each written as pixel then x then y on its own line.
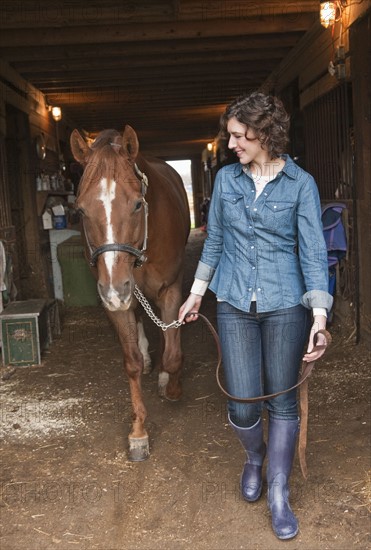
pixel 365 491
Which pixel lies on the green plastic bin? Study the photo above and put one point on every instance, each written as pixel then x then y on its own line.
pixel 79 285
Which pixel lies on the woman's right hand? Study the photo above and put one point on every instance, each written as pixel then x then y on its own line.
pixel 192 304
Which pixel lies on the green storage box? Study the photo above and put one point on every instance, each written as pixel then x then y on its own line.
pixel 24 332
pixel 79 285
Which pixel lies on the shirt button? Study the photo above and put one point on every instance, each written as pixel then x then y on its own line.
pixel 255 209
pixel 250 226
pixel 266 194
pixel 247 206
pixel 252 247
pixel 274 206
pixel 253 267
pixel 249 289
pixel 259 289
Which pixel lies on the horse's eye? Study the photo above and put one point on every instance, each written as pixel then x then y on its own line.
pixel 138 206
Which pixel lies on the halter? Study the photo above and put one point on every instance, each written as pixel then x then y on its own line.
pixel 119 247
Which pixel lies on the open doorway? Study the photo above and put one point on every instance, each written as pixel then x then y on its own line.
pixel 183 167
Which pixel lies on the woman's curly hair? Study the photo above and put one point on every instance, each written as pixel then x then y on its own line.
pixel 265 115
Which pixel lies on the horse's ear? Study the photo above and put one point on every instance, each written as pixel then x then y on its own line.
pixel 80 149
pixel 130 143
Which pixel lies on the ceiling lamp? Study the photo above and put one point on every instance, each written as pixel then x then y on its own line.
pixel 328 13
pixel 331 12
pixel 57 113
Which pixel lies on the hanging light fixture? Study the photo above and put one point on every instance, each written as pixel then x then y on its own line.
pixel 331 12
pixel 57 113
pixel 328 13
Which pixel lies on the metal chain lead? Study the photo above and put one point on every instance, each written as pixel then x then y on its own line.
pixel 151 314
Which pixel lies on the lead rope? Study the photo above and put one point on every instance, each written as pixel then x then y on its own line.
pixel 151 314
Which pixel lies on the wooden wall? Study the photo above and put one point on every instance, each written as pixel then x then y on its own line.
pixel 23 116
pixel 359 39
pixel 307 68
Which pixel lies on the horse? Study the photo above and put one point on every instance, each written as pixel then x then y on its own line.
pixel 135 224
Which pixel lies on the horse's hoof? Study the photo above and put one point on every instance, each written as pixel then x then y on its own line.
pixel 168 388
pixel 172 396
pixel 138 449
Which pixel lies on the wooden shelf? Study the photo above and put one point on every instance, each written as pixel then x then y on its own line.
pixel 42 196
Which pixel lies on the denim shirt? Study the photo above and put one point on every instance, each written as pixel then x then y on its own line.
pixel 273 246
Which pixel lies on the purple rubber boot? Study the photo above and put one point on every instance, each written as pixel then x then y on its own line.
pixel 281 450
pixel 252 441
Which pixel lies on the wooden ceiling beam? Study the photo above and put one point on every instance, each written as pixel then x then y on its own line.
pixel 191 127
pixel 93 119
pixel 148 31
pixel 152 48
pixel 114 79
pixel 157 125
pixel 180 116
pixel 173 98
pixel 38 15
pixel 160 137
pixel 61 14
pixel 140 91
pixel 136 100
pixel 101 65
pixel 176 116
pixel 149 131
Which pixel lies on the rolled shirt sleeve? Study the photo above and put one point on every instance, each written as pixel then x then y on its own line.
pixel 317 299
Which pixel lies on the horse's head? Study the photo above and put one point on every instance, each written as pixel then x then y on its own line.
pixel 111 201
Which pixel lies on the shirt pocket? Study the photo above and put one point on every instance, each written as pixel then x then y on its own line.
pixel 277 213
pixel 233 206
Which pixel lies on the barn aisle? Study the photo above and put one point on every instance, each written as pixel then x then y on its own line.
pixel 66 482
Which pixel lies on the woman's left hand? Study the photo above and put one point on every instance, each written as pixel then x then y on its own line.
pixel 319 323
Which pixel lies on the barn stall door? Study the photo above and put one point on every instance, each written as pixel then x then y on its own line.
pixel 8 253
pixel 17 168
pixel 329 157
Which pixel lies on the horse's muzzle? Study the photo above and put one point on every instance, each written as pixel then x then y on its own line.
pixel 116 299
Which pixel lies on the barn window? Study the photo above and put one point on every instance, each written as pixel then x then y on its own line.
pixel 183 167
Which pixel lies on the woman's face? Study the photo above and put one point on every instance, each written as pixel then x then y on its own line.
pixel 244 143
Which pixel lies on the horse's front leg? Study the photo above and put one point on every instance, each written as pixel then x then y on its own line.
pixel 169 382
pixel 126 328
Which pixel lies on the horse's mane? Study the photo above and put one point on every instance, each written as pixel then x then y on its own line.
pixel 107 137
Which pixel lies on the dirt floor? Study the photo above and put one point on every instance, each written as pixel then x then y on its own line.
pixel 66 481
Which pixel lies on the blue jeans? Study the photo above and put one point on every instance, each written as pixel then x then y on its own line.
pixel 262 354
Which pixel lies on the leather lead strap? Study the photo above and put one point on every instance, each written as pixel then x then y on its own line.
pixel 303 433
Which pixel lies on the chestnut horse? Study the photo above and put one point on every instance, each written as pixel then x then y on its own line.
pixel 128 250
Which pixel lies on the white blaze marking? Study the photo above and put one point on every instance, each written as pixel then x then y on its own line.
pixel 106 196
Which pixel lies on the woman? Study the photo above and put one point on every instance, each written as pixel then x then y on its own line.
pixel 266 260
